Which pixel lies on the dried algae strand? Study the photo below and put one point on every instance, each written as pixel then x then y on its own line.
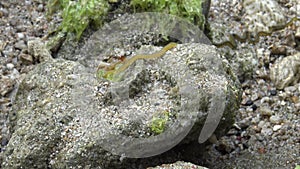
pixel 113 71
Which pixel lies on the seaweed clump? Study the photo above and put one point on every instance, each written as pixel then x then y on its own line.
pixel 77 15
pixel 191 9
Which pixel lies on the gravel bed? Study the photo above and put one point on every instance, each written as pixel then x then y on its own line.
pixel 20 21
pixel 267 129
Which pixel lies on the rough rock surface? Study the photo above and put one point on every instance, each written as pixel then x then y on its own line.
pixel 286 71
pixel 51 130
pixel 178 165
pixel 262 15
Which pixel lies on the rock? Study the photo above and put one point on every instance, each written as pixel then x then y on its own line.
pixel 38 50
pixel 290 89
pixel 273 92
pixel 178 165
pixel 286 71
pixel 7 85
pixel 4 12
pixel 59 118
pixel 265 111
pixel 277 127
pixel 275 119
pixel 266 131
pixel 10 66
pixel 297 34
pixel 20 36
pixel 40 8
pixel 278 50
pixel 26 59
pixel 262 15
pixel 20 45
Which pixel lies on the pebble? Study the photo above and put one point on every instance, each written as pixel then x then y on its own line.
pixel 277 127
pixel 279 50
pixel 20 36
pixel 6 86
pixel 20 28
pixel 297 106
pixel 261 82
pixel 248 103
pixel 282 103
pixel 40 8
pixel 26 59
pixel 295 99
pixel 290 89
pixel 261 124
pixel 266 131
pixel 254 107
pixel 10 66
pixel 275 119
pixel 273 92
pixel 265 111
pixel 265 100
pixel 4 12
pixel 282 96
pixel 20 45
pixel 255 120
pixel 254 96
pixel 297 35
pixel 28 3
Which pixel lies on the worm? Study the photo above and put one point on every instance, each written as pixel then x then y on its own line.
pixel 131 60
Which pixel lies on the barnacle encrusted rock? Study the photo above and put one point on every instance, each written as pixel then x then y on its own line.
pixel 55 126
pixel 286 72
pixel 262 15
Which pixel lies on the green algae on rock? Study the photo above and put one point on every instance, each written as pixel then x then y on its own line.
pixel 78 15
pixel 191 10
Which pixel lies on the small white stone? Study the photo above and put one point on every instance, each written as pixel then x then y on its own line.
pixel 297 35
pixel 277 127
pixel 20 35
pixel 10 66
pixel 275 119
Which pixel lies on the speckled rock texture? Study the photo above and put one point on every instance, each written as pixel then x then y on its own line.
pixel 178 165
pixel 262 15
pixel 286 72
pixel 266 132
pixel 49 129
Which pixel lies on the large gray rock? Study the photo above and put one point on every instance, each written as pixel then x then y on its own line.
pixel 65 117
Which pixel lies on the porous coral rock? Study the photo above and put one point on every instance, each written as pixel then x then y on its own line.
pixel 262 15
pixel 286 71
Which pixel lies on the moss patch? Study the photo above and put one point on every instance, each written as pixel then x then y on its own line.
pixel 158 123
pixel 191 9
pixel 77 15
